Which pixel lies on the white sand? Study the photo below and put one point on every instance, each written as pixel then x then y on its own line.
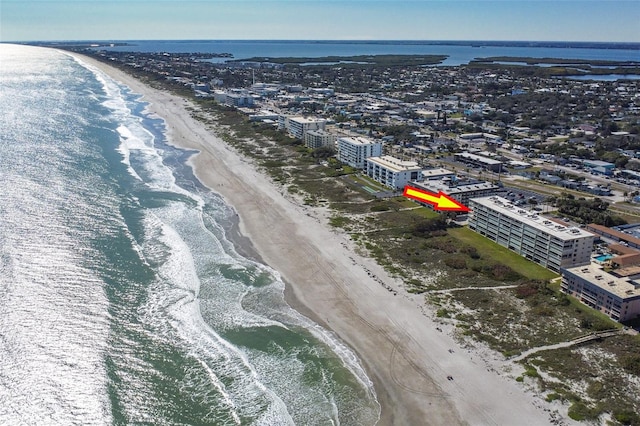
pixel 398 345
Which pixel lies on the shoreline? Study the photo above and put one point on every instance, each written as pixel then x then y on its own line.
pixel 400 347
pixel 244 246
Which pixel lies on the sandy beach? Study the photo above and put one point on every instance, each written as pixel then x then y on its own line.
pixel 407 355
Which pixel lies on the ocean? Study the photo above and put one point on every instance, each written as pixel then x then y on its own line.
pixel 123 299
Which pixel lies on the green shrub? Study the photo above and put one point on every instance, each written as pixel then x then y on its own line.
pixel 579 412
pixel 627 417
pixel 426 226
pixel 631 363
pixel 597 390
pixel 471 251
pixel 339 221
pixel 543 311
pixel 443 313
pixel 553 396
pixel 456 262
pixel 531 372
pixel 504 273
pixel 529 289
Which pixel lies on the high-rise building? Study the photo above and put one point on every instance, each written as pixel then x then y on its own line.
pixel 297 127
pixel 354 151
pixel 316 138
pixel 392 172
pixel 537 238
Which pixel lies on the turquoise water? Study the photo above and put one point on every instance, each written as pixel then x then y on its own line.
pixel 122 301
pixel 604 257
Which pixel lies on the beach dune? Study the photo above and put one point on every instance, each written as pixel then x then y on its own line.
pixel 421 374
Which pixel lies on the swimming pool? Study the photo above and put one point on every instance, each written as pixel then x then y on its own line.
pixel 604 257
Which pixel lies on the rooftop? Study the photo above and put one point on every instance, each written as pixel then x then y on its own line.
pixel 304 120
pixel 394 164
pixel 623 287
pixel 357 140
pixel 319 132
pixel 622 236
pixel 478 158
pixel 449 188
pixel 436 172
pixel 532 219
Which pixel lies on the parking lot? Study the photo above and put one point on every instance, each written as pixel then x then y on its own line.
pixel 523 197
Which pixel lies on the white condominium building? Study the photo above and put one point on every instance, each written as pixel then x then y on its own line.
pixel 391 171
pixel 616 296
pixel 297 127
pixel 541 240
pixel 354 151
pixel 316 138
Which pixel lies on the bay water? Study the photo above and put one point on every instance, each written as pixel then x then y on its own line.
pixel 458 53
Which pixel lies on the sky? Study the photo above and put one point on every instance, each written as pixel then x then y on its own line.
pixel 539 20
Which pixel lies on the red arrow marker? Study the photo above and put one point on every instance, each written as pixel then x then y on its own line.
pixel 439 201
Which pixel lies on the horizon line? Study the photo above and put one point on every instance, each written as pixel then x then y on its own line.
pixel 321 40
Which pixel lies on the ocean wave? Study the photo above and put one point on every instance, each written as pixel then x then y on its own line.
pixel 206 299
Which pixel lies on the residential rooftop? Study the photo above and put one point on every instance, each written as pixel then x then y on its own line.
pixel 357 140
pixel 478 158
pixel 532 219
pixel 623 287
pixel 427 173
pixel 452 188
pixel 304 120
pixel 394 164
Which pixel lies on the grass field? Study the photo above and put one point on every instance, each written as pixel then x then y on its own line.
pixel 501 254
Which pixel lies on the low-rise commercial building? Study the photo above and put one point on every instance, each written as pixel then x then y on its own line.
pixel 598 166
pixel 479 161
pixel 460 190
pixel 623 256
pixel 534 237
pixel 392 172
pixel 616 296
pixel 615 235
pixel 354 151
pixel 437 174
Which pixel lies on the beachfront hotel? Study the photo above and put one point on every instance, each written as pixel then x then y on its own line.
pixel 355 151
pixel 392 172
pixel 297 127
pixel 534 237
pixel 616 295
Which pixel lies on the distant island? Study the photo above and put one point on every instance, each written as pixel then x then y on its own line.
pixel 558 66
pixel 359 60
pixel 536 61
pixel 477 43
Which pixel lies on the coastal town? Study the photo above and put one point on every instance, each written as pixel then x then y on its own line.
pixel 549 167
